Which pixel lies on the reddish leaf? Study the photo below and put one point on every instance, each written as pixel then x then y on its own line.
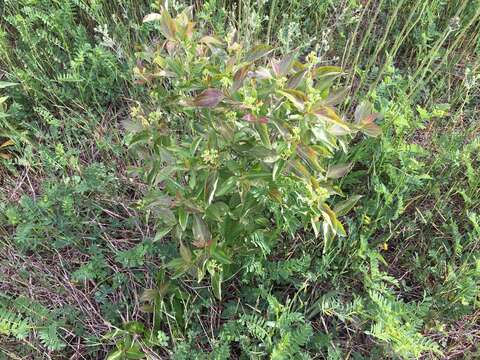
pixel 362 110
pixel 336 97
pixel 282 67
pixel 170 46
pixel 255 119
pixel 370 118
pixel 239 77
pixel 297 98
pixel 296 79
pixel 7 143
pixel 337 130
pixel 209 98
pixel 310 156
pixel 328 114
pixel 371 129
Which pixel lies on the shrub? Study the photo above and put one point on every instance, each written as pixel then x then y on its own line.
pixel 240 148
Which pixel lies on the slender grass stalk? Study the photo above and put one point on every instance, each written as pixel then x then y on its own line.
pixel 348 49
pixel 447 53
pixel 406 30
pixel 427 60
pixel 363 42
pixel 270 19
pixel 381 44
pixel 459 95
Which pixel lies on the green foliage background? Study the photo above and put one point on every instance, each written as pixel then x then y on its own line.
pixel 83 265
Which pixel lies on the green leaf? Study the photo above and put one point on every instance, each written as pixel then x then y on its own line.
pixel 134 327
pixel 217 211
pixel 166 215
pixel 216 279
pixel 187 12
pixel 140 137
pixel 310 156
pixel 277 168
pixel 135 352
pixel 315 227
pixel 201 234
pixel 325 75
pixel 257 52
pixel 258 175
pixel 220 255
pixel 328 236
pixel 211 183
pixel 343 207
pixel 331 218
pixel 5 84
pixel 210 40
pixel 168 27
pixel 182 218
pixel 264 134
pixel 179 266
pixel 338 171
pixel 185 253
pixel 261 74
pixel 152 17
pixel 149 295
pixel 227 186
pixel 337 130
pixel 327 70
pixel 115 355
pixel 161 233
pixel 265 154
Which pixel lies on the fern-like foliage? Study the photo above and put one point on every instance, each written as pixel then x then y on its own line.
pixel 13 324
pixel 50 339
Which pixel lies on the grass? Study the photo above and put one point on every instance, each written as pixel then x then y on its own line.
pixel 84 259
